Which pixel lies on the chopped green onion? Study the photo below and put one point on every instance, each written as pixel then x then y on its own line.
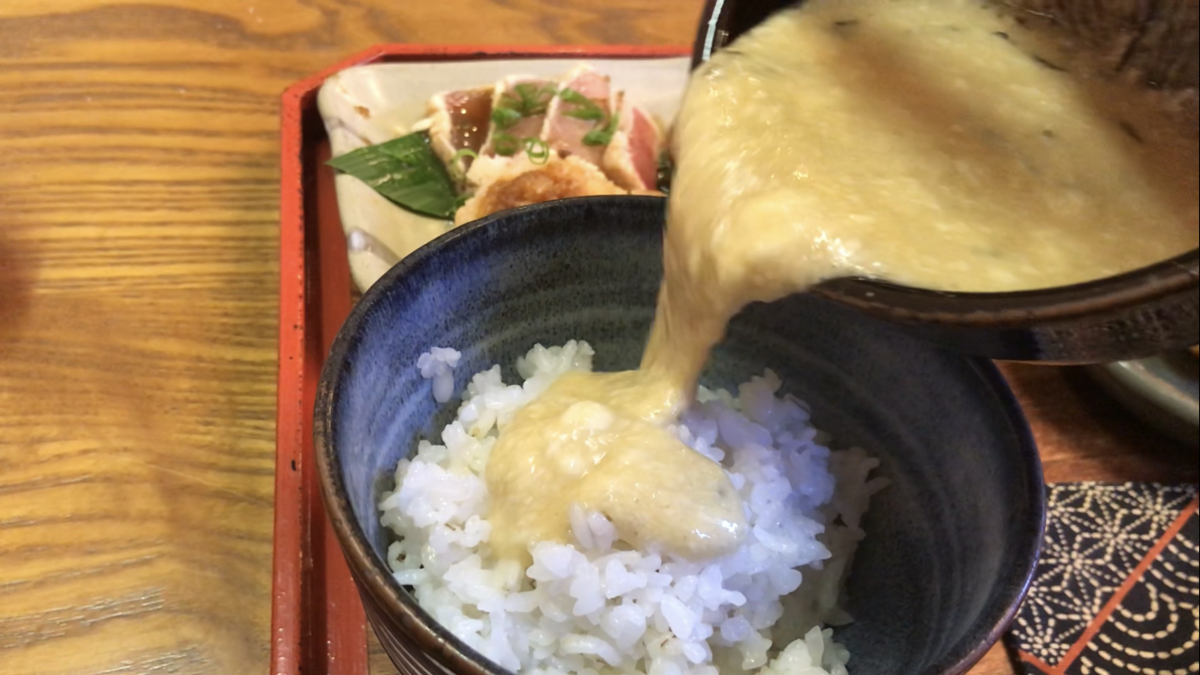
pixel 595 114
pixel 537 150
pixel 602 136
pixel 505 145
pixel 406 171
pixel 527 99
pixel 505 118
pixel 585 108
pixel 464 152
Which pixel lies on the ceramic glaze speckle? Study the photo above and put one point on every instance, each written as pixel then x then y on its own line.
pixel 950 544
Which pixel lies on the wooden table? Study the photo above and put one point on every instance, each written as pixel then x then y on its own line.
pixel 138 234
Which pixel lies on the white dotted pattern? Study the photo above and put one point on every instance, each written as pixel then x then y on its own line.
pixel 1156 630
pixel 1096 534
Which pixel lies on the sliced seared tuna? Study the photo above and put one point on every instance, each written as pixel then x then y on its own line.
pixel 631 158
pixel 582 106
pixel 458 120
pixel 519 106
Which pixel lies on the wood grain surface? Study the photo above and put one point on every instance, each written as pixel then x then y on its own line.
pixel 138 263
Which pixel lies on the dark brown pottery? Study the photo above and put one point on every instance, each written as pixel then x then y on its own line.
pixel 1133 315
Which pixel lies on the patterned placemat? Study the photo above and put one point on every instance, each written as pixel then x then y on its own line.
pixel 1116 589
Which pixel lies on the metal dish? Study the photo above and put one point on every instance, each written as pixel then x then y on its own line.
pixel 1163 390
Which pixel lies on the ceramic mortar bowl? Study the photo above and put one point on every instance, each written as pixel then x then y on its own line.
pixel 1137 314
pixel 951 543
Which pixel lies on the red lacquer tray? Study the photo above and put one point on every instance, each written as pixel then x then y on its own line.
pixel 317 621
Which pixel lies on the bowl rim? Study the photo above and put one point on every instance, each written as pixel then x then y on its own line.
pixel 1015 309
pixel 375 580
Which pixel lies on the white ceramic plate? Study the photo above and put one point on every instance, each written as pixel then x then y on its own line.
pixel 375 103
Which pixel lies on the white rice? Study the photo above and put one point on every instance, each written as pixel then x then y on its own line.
pixel 593 606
